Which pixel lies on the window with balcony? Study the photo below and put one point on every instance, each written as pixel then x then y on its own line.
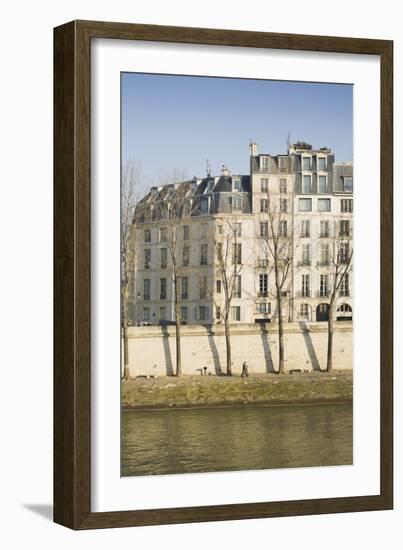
pixel 203 254
pixel 146 289
pixel 306 254
pixel 163 235
pixel 185 255
pixel 184 314
pixel 324 286
pixel 163 289
pixel 264 185
pixel 203 288
pixel 305 288
pixel 147 235
pixel 184 288
pixel 283 205
pixel 324 254
pixel 305 228
pixel 186 233
pixel 324 229
pixel 264 206
pixel 264 229
pixel 306 163
pixel 237 253
pixel 238 287
pixel 283 185
pixel 263 284
pixel 344 253
pixel 147 258
pixel 164 258
pixel 218 287
pixel 235 313
pixel 344 286
pixel 283 228
pixel 344 228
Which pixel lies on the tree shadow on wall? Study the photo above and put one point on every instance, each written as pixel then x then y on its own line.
pixel 264 334
pixel 309 346
pixel 167 351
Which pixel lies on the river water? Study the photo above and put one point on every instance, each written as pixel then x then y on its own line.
pixel 236 438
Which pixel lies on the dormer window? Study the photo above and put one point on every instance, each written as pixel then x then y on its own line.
pixel 321 164
pixel 264 164
pixel 204 205
pixel 236 203
pixel 348 184
pixel 236 184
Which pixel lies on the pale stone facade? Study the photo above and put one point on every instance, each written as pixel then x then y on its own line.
pixel 313 196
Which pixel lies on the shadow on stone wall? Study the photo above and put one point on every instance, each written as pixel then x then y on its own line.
pixel 167 351
pixel 264 334
pixel 214 350
pixel 309 345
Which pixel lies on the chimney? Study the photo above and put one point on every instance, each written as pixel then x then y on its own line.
pixel 224 170
pixel 253 149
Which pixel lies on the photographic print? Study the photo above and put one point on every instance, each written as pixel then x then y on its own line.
pixel 237 289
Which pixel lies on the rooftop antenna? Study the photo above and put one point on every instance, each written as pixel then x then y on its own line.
pixel 288 140
pixel 208 168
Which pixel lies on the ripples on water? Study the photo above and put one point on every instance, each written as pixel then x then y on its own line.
pixel 235 438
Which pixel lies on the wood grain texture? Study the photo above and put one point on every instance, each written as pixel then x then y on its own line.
pixel 72 269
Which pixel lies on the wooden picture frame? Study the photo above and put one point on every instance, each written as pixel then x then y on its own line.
pixel 72 270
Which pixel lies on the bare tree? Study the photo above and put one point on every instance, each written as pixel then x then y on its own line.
pixel 174 208
pixel 279 238
pixel 340 263
pixel 132 186
pixel 228 263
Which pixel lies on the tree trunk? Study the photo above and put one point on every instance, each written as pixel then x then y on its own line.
pixel 126 368
pixel 281 369
pixel 177 331
pixel 330 331
pixel 228 346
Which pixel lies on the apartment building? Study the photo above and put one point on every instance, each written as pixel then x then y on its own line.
pixel 216 232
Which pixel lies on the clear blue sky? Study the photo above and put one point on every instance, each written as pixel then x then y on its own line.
pixel 177 122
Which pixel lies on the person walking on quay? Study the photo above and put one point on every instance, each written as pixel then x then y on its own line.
pixel 244 369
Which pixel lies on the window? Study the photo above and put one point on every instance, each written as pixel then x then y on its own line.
pixel 344 286
pixel 324 254
pixel 237 253
pixel 305 228
pixel 235 313
pixel 304 311
pixel 147 258
pixel 146 314
pixel 344 252
pixel 163 289
pixel 202 313
pixel 218 312
pixel 218 287
pixel 219 228
pixel 264 185
pixel 324 229
pixel 164 258
pixel 264 307
pixel 305 205
pixel 283 185
pixel 203 230
pixel 263 262
pixel 163 235
pixel 203 288
pixel 184 288
pixel 184 314
pixel 282 164
pixel 307 184
pixel 204 205
pixel 146 289
pixel 162 313
pixel 185 232
pixel 305 290
pixel 344 228
pixel 346 205
pixel 263 284
pixel 236 182
pixel 185 255
pixel 238 287
pixel 237 229
pixel 322 184
pixel 283 228
pixel 219 252
pixel 147 235
pixel 306 163
pixel 264 164
pixel 283 205
pixel 264 229
pixel 264 205
pixel 321 163
pixel 324 286
pixel 306 254
pixel 348 184
pixel 203 254
pixel 236 203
